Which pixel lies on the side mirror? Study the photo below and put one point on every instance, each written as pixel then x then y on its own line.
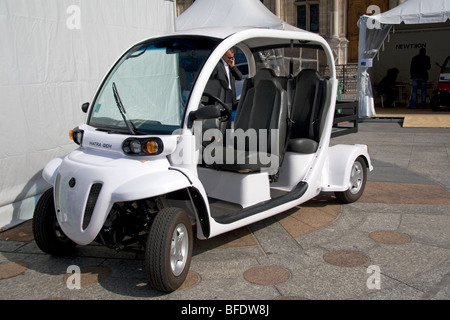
pixel 437 63
pixel 85 107
pixel 207 112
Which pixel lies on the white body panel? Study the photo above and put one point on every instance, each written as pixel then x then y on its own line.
pixel 243 189
pixel 339 164
pixel 294 168
pixel 121 179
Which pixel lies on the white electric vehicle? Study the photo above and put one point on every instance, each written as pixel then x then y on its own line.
pixel 159 157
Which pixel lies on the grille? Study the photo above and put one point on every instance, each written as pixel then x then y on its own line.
pixel 90 205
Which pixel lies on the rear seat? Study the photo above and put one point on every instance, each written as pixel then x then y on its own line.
pixel 307 106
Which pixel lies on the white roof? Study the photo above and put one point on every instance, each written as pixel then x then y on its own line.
pixel 416 12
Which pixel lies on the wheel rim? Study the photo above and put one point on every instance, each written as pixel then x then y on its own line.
pixel 356 178
pixel 179 249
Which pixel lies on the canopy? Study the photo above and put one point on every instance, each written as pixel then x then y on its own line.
pixel 415 12
pixel 374 30
pixel 229 13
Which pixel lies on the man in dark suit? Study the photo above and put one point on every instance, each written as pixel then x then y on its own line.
pixel 227 73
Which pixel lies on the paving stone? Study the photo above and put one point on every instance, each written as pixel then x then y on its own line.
pixel 354 240
pixel 346 258
pixel 330 282
pixel 431 229
pixel 11 269
pixel 266 275
pixel 319 250
pixel 406 261
pixel 226 268
pixel 381 221
pixel 192 279
pixel 22 232
pixel 390 237
pixel 405 193
pixel 272 237
pixel 87 275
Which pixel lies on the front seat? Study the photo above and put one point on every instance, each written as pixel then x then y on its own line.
pixel 261 118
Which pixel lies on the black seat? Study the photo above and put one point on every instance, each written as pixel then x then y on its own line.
pixel 263 107
pixel 214 88
pixel 307 106
pixel 248 92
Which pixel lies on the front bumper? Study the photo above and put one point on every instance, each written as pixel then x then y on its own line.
pixel 87 184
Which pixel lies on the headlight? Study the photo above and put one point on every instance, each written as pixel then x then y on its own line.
pixel 135 146
pixel 143 146
pixel 76 135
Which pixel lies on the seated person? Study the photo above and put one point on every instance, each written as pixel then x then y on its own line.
pixel 386 87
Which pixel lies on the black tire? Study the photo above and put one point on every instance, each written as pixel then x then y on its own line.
pixel 167 271
pixel 46 230
pixel 357 183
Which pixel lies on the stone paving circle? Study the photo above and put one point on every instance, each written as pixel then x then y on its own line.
pixel 267 275
pixel 11 269
pixel 191 280
pixel 346 258
pixel 390 237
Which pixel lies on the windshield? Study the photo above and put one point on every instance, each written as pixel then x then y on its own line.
pixel 147 91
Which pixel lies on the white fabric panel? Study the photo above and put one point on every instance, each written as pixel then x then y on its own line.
pixel 53 55
pixel 416 12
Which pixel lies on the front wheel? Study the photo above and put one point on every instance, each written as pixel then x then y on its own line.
pixel 169 249
pixel 46 230
pixel 357 182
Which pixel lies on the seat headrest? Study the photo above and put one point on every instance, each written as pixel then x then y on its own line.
pixel 263 74
pixel 308 73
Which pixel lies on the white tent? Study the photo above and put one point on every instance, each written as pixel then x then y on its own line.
pixel 229 13
pixel 374 30
pixel 53 55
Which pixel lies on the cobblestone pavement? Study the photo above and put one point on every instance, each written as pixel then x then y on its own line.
pixel 393 243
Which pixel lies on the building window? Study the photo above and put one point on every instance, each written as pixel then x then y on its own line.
pixel 308 15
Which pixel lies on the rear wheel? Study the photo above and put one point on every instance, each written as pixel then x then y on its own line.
pixel 169 249
pixel 357 182
pixel 46 230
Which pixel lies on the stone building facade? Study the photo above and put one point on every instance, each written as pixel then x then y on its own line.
pixel 335 20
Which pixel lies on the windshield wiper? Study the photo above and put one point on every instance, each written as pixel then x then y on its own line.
pixel 128 123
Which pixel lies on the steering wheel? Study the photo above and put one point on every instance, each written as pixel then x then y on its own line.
pixel 226 113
